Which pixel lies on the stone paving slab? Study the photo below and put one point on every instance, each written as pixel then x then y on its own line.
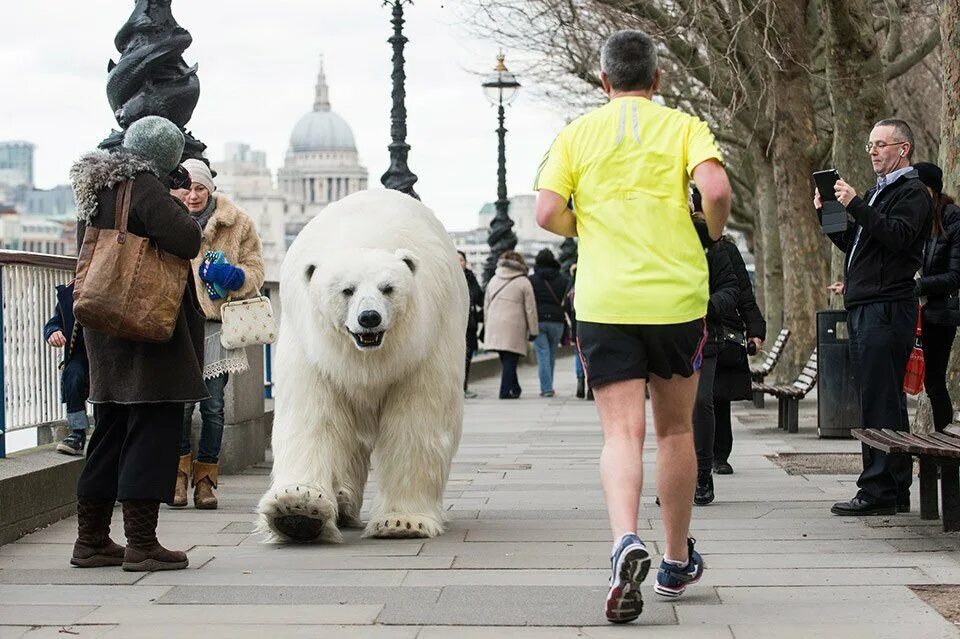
pixel 526 553
pixel 233 615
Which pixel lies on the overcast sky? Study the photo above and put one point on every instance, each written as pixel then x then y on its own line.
pixel 258 64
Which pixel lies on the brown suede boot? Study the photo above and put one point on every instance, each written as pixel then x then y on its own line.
pixel 144 553
pixel 183 480
pixel 204 481
pixel 93 547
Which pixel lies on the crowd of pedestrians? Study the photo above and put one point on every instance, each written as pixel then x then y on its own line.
pixel 659 305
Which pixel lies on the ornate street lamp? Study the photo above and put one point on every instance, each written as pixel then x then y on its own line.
pixel 398 177
pixel 151 77
pixel 500 88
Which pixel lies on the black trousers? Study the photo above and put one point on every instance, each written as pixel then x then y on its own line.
pixel 937 342
pixel 133 453
pixel 723 433
pixel 704 425
pixel 881 338
pixel 509 382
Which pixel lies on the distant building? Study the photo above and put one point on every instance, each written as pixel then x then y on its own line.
pixel 322 163
pixel 16 163
pixel 531 239
pixel 321 166
pixel 243 176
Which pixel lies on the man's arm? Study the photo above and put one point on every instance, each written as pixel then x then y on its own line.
pixel 553 214
pixel 900 226
pixel 714 186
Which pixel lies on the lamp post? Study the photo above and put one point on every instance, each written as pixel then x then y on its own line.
pixel 398 177
pixel 500 88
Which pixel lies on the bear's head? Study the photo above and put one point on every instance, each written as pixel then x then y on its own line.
pixel 365 294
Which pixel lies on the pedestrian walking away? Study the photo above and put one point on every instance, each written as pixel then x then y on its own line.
pixel 938 290
pixel 474 319
pixel 883 248
pixel 549 287
pixel 641 297
pixel 744 329
pixel 724 293
pixel 509 319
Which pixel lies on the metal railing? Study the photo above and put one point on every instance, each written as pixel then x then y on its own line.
pixel 31 373
pixel 31 368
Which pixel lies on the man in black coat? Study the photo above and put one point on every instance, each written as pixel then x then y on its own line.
pixel 883 245
pixel 475 315
pixel 62 331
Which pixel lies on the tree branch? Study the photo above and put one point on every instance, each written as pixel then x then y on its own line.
pixel 906 62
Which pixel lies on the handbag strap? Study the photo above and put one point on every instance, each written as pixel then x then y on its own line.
pixel 122 210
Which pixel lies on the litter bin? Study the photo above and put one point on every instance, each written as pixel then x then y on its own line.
pixel 838 389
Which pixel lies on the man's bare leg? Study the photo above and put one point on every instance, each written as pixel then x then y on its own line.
pixel 673 401
pixel 623 419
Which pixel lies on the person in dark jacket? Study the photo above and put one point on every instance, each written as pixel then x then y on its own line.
pixel 473 320
pixel 724 294
pixel 138 389
pixel 549 287
pixel 883 245
pixel 741 326
pixel 938 290
pixel 583 386
pixel 63 331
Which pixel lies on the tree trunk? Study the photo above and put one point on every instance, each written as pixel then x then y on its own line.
pixel 804 269
pixel 772 281
pixel 950 134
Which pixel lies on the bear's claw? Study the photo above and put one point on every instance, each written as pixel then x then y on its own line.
pixel 299 513
pixel 403 526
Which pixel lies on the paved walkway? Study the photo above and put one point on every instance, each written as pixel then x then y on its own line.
pixel 528 545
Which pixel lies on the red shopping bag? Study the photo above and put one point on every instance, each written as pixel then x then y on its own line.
pixel 913 379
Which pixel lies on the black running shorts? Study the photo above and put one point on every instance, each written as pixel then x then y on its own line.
pixel 618 352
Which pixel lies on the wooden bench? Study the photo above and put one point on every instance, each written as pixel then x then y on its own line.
pixel 933 450
pixel 789 397
pixel 759 373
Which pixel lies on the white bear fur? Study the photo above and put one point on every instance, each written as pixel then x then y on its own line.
pixel 335 403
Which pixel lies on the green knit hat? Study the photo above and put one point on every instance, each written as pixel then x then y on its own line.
pixel 157 139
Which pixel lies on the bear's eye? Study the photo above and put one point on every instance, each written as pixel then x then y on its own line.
pixel 347 292
pixel 310 270
pixel 387 290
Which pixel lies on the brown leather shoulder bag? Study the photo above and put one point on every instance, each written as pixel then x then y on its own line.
pixel 126 286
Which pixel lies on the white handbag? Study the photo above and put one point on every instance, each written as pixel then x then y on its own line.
pixel 247 323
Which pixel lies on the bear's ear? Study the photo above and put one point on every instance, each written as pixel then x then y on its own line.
pixel 409 259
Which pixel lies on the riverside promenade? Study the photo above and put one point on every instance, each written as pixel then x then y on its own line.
pixel 525 555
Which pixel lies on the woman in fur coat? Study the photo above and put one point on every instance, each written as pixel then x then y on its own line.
pixel 228 267
pixel 138 388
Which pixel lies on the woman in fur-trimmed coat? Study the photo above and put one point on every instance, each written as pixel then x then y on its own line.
pixel 228 267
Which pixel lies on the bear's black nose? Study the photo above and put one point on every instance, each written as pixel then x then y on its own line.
pixel 370 319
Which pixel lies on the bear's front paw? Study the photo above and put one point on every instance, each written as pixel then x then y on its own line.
pixel 397 526
pixel 300 513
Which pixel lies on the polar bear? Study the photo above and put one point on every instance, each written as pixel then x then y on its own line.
pixel 369 360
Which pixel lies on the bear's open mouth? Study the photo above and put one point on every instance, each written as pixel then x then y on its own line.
pixel 369 339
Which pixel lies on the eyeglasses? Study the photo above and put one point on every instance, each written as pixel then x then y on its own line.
pixel 879 146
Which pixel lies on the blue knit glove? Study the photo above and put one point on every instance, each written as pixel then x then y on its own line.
pixel 226 275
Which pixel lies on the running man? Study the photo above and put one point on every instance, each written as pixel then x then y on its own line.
pixel 642 290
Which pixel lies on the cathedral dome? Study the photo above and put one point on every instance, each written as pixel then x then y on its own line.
pixel 322 129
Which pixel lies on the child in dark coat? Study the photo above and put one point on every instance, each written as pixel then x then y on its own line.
pixel 62 331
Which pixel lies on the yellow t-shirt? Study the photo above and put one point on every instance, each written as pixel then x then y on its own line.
pixel 628 165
